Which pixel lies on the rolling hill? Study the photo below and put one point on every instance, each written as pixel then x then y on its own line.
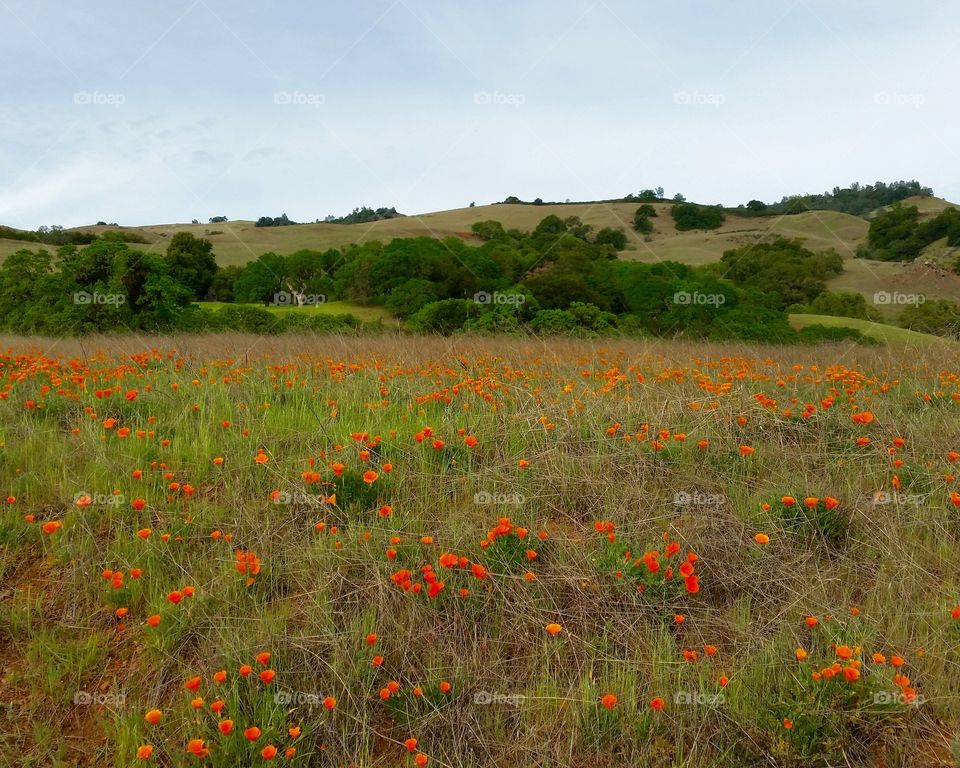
pixel 236 242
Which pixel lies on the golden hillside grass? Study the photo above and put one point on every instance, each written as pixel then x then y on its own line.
pixel 611 436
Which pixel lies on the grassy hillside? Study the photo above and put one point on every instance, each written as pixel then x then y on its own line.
pixel 888 334
pixel 237 242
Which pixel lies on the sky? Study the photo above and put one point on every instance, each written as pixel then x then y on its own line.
pixel 141 113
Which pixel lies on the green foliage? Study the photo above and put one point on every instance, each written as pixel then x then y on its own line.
pixel 839 304
pixel 897 234
pixel 191 260
pixel 363 215
pixel 613 237
pixel 489 230
pixel 784 267
pixel 641 219
pixel 261 281
pixel 443 317
pixel 940 317
pixel 856 199
pixel 278 221
pixel 822 334
pixel 691 216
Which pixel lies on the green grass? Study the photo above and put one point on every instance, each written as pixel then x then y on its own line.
pixel 888 334
pixel 359 311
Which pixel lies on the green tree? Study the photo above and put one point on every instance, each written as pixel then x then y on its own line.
pixel 262 280
pixel 192 263
pixel 613 237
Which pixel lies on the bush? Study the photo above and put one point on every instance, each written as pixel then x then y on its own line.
pixel 824 334
pixel 610 236
pixel 691 216
pixel 443 317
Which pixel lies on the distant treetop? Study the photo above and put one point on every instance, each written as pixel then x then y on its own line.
pixel 363 215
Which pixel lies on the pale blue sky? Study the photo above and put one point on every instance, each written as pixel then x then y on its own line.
pixel 144 112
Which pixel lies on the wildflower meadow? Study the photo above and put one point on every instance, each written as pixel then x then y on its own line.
pixel 395 551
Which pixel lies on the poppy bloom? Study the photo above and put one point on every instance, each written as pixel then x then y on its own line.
pixel 723 681
pixel 252 733
pixel 267 676
pixel 153 716
pixel 811 621
pixel 787 723
pixel 226 727
pixel 445 687
pixel 746 450
pixel 329 703
pixel 421 760
pixel 371 638
pixel 245 670
pixel 553 629
pixel 955 613
pixel 801 654
pixel 761 539
pixel 144 751
pixel 220 677
pixel 268 752
pixel 193 684
pixel 294 731
pixel 377 661
pixel 196 747
pixel 51 526
pixel 154 621
pixel 609 701
pixel 370 477
pixel 657 703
